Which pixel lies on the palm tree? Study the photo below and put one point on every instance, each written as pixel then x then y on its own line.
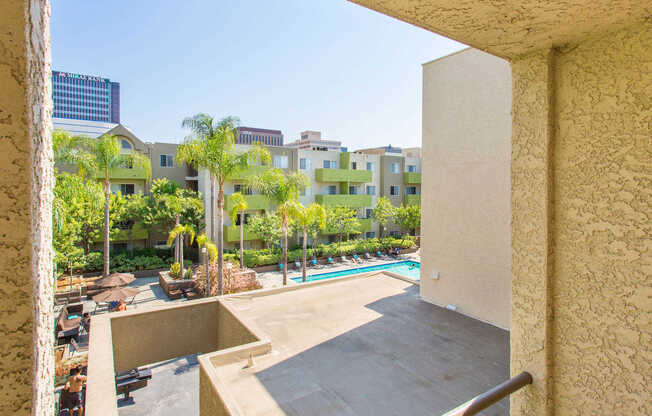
pixel 178 233
pixel 212 147
pixel 71 150
pixel 203 241
pixel 282 189
pixel 239 207
pixel 312 217
pixel 99 156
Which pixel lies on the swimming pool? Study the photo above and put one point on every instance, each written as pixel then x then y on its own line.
pixel 409 269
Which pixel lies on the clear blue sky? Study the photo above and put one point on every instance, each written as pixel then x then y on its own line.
pixel 293 65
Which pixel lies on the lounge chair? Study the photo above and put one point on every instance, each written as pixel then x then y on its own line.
pixel 367 256
pixel 343 258
pixel 330 260
pixel 379 254
pixel 314 262
pixel 356 258
pixel 297 264
pixel 68 322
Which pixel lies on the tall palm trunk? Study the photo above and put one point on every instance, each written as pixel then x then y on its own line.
pixel 176 243
pixel 285 249
pixel 220 238
pixel 212 212
pixel 107 199
pixel 242 239
pixel 305 249
pixel 181 275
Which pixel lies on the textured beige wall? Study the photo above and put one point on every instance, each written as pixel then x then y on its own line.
pixel 26 318
pixel 148 337
pixel 530 216
pixel 465 185
pixel 602 289
pixel 516 27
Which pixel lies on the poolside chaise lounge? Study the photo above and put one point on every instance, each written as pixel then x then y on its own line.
pixel 343 258
pixel 69 321
pixel 313 262
pixel 356 258
pixel 367 255
pixel 330 260
pixel 297 264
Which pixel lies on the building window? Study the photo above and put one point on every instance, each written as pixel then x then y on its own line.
pixel 369 212
pixel 126 146
pixel 305 191
pixel 353 190
pixel 395 167
pixel 161 243
pixel 246 219
pixel 394 190
pixel 167 161
pixel 281 161
pixel 332 190
pixel 370 234
pixel 395 234
pixel 411 168
pixel 354 165
pixel 371 190
pixel 371 166
pixel 411 190
pixel 243 189
pixel 305 164
pixel 330 164
pixel 127 188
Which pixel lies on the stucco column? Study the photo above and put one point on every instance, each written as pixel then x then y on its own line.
pixel 531 215
pixel 26 181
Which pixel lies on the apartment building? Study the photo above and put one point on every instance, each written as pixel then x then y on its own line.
pixel 337 178
pixel 251 135
pixel 312 140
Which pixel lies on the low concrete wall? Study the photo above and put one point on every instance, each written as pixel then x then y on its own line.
pixel 123 340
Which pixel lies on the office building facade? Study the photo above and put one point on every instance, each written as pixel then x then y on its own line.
pixel 251 135
pixel 85 97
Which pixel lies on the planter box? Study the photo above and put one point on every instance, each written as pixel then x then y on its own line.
pixel 169 284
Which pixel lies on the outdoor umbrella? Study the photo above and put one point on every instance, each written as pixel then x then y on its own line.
pixel 115 280
pixel 116 294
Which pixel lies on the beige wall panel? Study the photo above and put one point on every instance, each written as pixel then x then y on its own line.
pixel 465 185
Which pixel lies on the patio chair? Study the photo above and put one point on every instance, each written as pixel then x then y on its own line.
pixel 367 255
pixel 68 322
pixel 343 258
pixel 398 251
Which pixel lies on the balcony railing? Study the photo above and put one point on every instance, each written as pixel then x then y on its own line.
pixel 342 175
pixel 412 178
pixel 251 171
pixel 232 234
pixel 138 232
pixel 254 202
pixel 124 173
pixel 343 200
pixel 412 199
pixel 486 399
pixel 365 225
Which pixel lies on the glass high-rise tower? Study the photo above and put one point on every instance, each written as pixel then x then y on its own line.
pixel 85 97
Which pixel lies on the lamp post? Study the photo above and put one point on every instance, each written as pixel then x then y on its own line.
pixel 208 273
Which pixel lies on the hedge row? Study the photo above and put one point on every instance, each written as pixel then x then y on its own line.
pixel 254 258
pixel 149 259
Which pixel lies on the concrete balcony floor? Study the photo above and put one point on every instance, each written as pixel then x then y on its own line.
pixel 357 346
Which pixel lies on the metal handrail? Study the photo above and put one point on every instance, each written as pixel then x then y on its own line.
pixel 486 399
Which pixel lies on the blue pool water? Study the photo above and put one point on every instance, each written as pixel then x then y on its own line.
pixel 409 269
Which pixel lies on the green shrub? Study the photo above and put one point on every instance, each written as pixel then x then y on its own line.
pixel 188 273
pixel 175 269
